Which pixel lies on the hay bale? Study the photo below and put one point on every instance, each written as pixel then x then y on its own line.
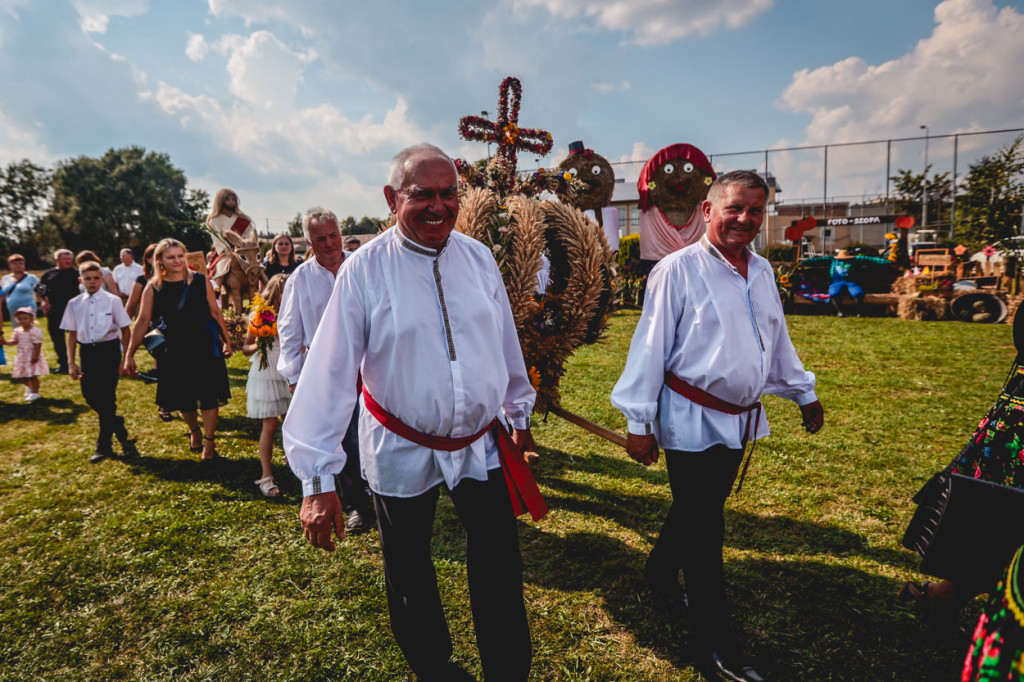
pixel 1012 304
pixel 921 308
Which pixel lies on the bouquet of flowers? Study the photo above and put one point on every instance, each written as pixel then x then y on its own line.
pixel 263 326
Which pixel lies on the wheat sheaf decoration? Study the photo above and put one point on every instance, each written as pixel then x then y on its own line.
pixel 551 322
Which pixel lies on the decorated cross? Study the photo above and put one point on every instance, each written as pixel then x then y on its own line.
pixel 505 132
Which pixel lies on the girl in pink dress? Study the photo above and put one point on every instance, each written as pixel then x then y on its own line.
pixel 29 364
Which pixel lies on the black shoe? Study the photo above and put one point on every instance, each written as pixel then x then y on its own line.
pixel 355 524
pixel 100 455
pixel 733 667
pixel 60 370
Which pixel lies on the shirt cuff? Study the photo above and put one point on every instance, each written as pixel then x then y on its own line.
pixel 640 428
pixel 519 422
pixel 806 398
pixel 317 485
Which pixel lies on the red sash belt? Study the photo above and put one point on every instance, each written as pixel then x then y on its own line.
pixel 705 399
pixel 522 488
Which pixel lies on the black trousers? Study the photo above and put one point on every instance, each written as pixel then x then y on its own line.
pixel 99 387
pixel 494 567
pixel 351 483
pixel 692 536
pixel 60 346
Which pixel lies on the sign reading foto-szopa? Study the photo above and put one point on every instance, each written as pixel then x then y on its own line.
pixel 861 220
pixel 853 220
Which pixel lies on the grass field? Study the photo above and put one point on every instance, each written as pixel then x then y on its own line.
pixel 151 569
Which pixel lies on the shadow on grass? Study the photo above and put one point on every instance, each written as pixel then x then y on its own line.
pixel 786 613
pixel 234 475
pixel 644 513
pixel 54 411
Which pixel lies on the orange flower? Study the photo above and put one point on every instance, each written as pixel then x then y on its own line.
pixel 534 378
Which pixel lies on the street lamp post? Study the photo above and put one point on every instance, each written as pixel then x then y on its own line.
pixel 924 187
pixel 484 114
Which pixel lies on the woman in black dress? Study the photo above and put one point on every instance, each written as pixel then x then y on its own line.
pixel 281 258
pixel 193 376
pixel 995 453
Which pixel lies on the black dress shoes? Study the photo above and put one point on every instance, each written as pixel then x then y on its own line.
pixel 732 667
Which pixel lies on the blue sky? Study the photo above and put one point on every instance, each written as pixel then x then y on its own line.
pixel 301 103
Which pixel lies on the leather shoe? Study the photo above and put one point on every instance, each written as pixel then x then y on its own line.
pixel 100 455
pixel 733 667
pixel 355 524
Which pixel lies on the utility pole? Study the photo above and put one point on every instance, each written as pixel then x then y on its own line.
pixel 924 187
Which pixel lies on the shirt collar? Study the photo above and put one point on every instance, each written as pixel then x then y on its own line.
pixel 715 253
pixel 419 248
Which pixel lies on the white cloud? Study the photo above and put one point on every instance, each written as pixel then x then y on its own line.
pixel 607 88
pixel 306 141
pixel 656 22
pixel 21 141
pixel 94 15
pixel 967 73
pixel 264 70
pixel 197 47
pixel 641 152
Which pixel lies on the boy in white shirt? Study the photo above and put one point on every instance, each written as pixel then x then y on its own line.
pixel 97 321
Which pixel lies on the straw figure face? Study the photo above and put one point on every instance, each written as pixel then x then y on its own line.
pixel 596 173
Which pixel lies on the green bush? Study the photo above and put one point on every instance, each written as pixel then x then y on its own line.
pixel 632 270
pixel 780 253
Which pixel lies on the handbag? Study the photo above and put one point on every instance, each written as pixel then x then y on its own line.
pixel 154 341
pixel 965 529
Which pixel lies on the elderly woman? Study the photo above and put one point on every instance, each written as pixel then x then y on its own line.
pixel 193 376
pixel 17 288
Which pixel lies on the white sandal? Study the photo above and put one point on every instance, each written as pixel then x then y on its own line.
pixel 267 484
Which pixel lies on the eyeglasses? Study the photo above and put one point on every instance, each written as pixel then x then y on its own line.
pixel 423 194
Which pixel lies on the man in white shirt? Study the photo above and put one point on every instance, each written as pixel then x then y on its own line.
pixel 305 297
pixel 126 272
pixel 422 313
pixel 97 322
pixel 711 340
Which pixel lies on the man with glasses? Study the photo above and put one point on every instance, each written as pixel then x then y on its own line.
pixel 421 316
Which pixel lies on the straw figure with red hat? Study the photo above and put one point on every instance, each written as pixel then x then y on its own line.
pixel 672 186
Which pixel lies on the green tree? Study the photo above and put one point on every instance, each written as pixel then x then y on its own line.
pixel 909 187
pixel 295 226
pixel 364 225
pixel 127 197
pixel 989 206
pixel 24 200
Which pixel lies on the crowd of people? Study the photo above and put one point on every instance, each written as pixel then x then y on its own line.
pixel 420 382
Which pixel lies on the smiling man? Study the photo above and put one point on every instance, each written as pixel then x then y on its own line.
pixel 711 340
pixel 422 315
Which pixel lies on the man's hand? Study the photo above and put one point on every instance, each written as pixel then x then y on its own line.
pixel 643 449
pixel 524 441
pixel 291 388
pixel 129 366
pixel 814 416
pixel 74 371
pixel 318 514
